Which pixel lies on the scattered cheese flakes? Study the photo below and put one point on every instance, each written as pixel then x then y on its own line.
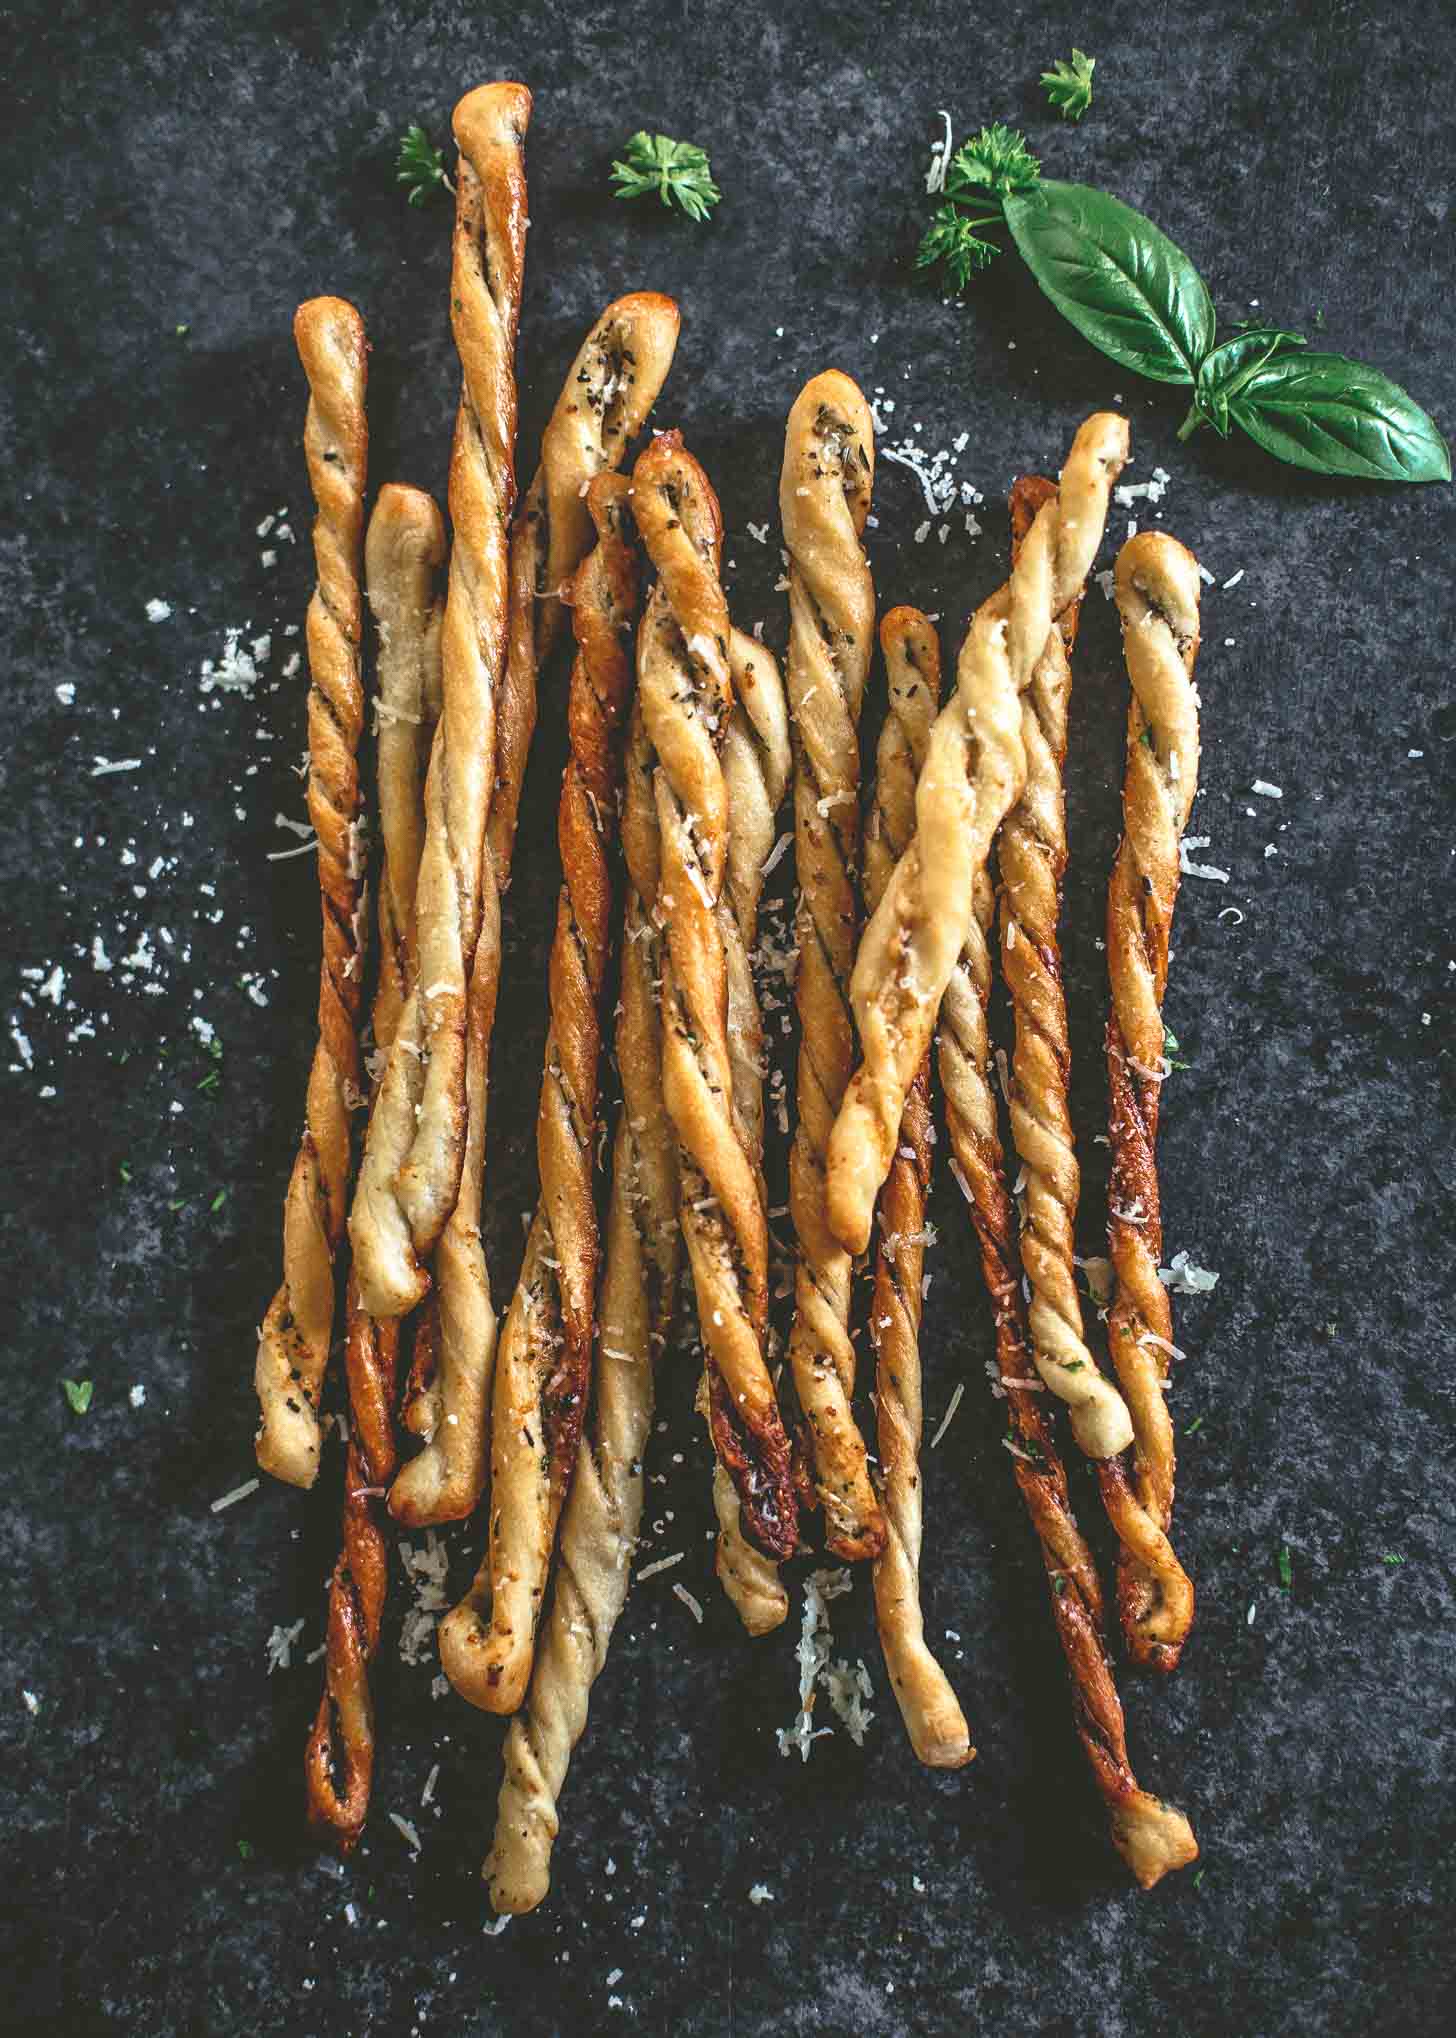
pixel 1268 792
pixel 759 533
pixel 1099 1277
pixel 280 1646
pixel 105 765
pixel 1249 1616
pixel 1191 869
pixel 497 1925
pixel 236 671
pixel 815 1641
pixel 1205 576
pixel 945 1420
pixel 776 854
pixel 848 1689
pixel 407 1828
pixel 1106 580
pixel 662 1564
pixel 1415 753
pixel 694 1606
pixel 158 611
pixel 429 1790
pixel 66 693
pixel 238 1493
pixel 1234 579
pixel 427 1567
pixel 32 1703
pixel 760 1894
pixel 1183 1277
pixel 351 1914
pixel 138 1395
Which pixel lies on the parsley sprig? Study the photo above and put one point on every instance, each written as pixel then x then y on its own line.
pixel 1069 85
pixel 982 172
pixel 420 165
pixel 679 172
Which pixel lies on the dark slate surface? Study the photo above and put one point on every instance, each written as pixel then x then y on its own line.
pixel 205 167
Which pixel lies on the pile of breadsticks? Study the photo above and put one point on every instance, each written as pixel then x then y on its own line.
pixel 685 739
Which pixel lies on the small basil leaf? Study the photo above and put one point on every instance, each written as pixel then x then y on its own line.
pixel 1336 416
pixel 1232 362
pixel 1122 283
pixel 1212 406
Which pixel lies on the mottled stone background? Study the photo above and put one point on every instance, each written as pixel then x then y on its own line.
pixel 177 178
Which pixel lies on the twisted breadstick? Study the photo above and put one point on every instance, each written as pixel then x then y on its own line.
pixel 543 1365
pixel 1032 854
pixel 685 686
pixel 411 1174
pixel 604 1507
pixel 404 550
pixel 1157 596
pixel 610 387
pixel 975 766
pixel 293 1344
pixel 824 498
pixel 1152 1837
pixel 932 1714
pixel 757 759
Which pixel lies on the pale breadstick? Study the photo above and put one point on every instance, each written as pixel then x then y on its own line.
pixel 930 1709
pixel 403 553
pixel 824 498
pixel 293 1344
pixel 1157 591
pixel 975 766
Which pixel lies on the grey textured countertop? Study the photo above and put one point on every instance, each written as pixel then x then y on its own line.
pixel 180 179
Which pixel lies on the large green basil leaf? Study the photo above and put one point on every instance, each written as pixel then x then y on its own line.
pixel 1123 284
pixel 1335 416
pixel 1225 369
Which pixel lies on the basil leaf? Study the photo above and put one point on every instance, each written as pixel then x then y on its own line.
pixel 1225 369
pixel 1123 284
pixel 1335 416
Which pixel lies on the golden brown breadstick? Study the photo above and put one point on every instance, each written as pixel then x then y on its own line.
pixel 685 686
pixel 1032 854
pixel 543 1367
pixel 403 553
pixel 974 769
pixel 293 1344
pixel 604 1508
pixel 932 1714
pixel 413 1161
pixel 1152 1837
pixel 1157 592
pixel 824 498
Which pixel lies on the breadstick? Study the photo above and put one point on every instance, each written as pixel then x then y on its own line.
pixel 543 1367
pixel 1157 592
pixel 404 550
pixel 603 1510
pixel 413 1161
pixel 975 766
pixel 824 498
pixel 757 759
pixel 685 686
pixel 1152 1837
pixel 932 1714
pixel 293 1344
pixel 1032 855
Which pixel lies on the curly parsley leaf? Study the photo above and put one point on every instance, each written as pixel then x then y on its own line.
pixel 952 239
pixel 679 172
pixel 992 164
pixel 420 165
pixel 1069 85
pixel 78 1393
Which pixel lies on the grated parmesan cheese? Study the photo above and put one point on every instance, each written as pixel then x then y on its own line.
pixel 1183 1277
pixel 662 1564
pixel 280 1646
pixel 238 1493
pixel 946 1419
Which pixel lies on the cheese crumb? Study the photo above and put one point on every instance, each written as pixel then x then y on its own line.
pixel 760 1894
pixel 158 611
pixel 138 1395
pixel 280 1646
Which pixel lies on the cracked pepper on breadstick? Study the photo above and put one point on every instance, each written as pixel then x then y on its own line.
pixel 930 1709
pixel 543 1362
pixel 293 1343
pixel 824 498
pixel 1157 591
pixel 609 389
pixel 1152 1837
pixel 1031 852
pixel 975 766
pixel 404 551
pixel 685 685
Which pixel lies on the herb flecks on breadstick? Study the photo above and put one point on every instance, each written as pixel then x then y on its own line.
pixel 824 498
pixel 1157 591
pixel 293 1345
pixel 975 767
pixel 932 1714
pixel 1031 853
pixel 685 685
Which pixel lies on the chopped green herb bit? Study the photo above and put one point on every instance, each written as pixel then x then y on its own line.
pixel 183 331
pixel 245 1850
pixel 1286 1568
pixel 1069 85
pixel 679 172
pixel 420 165
pixel 78 1393
pixel 1391 1558
pixel 218 1200
pixel 1198 1879
pixel 210 1081
pixel 126 1171
pixel 1194 1427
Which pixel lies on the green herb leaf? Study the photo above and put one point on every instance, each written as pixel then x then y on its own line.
pixel 1171 1049
pixel 125 1171
pixel 679 172
pixel 1198 1878
pixel 218 1200
pixel 420 166
pixel 992 164
pixel 245 1850
pixel 78 1393
pixel 1194 1427
pixel 183 331
pixel 1120 281
pixel 1228 368
pixel 1069 85
pixel 951 238
pixel 210 1081
pixel 1286 1568
pixel 1336 416
pixel 1391 1558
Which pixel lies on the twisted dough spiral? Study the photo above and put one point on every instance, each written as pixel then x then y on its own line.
pixel 1157 590
pixel 685 686
pixel 604 1507
pixel 932 1714
pixel 975 766
pixel 824 498
pixel 293 1344
pixel 1032 854
pixel 1151 1836
pixel 415 1154
pixel 403 552
pixel 543 1364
